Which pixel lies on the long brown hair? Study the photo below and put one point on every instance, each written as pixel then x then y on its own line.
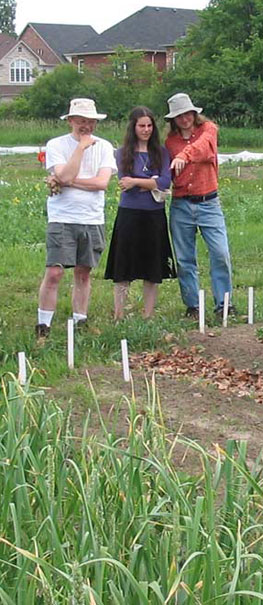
pixel 198 120
pixel 130 142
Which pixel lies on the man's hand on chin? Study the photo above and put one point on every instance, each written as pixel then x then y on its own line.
pixel 86 140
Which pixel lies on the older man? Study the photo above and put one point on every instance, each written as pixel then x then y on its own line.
pixel 81 166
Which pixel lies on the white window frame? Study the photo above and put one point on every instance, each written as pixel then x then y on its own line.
pixel 174 59
pixel 81 66
pixel 121 70
pixel 20 71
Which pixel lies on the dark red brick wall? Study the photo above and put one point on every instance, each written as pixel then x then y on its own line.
pixel 94 60
pixel 159 60
pixel 34 41
pixel 90 60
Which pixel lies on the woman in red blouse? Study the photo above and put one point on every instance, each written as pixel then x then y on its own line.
pixel 192 145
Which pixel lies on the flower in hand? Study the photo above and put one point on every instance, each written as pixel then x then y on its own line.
pixel 53 184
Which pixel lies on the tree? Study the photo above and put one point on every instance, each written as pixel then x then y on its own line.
pixel 224 24
pixel 123 81
pixel 7 16
pixel 50 94
pixel 220 62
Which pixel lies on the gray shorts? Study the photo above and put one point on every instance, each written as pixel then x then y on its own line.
pixel 72 244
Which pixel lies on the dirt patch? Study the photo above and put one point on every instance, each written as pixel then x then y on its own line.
pixel 191 405
pixel 242 172
pixel 238 344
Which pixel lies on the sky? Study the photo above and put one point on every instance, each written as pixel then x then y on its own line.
pixel 103 15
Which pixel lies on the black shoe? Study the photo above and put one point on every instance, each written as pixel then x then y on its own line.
pixel 192 312
pixel 42 332
pixel 82 323
pixel 232 312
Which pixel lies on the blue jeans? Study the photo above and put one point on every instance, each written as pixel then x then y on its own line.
pixel 185 218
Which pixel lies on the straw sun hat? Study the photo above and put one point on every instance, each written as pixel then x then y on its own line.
pixel 85 108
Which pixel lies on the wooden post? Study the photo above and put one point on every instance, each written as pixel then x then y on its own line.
pixel 225 310
pixel 250 305
pixel 125 360
pixel 22 368
pixel 202 311
pixel 70 344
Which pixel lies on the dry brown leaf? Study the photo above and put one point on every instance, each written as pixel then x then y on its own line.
pixel 219 371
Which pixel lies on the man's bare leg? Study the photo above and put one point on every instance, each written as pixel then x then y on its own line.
pixel 149 297
pixel 120 295
pixel 81 290
pixel 48 291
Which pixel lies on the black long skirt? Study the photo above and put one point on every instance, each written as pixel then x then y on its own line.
pixel 140 247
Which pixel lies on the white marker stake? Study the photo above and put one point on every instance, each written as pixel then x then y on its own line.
pixel 225 310
pixel 70 344
pixel 250 305
pixel 22 368
pixel 238 171
pixel 125 360
pixel 202 311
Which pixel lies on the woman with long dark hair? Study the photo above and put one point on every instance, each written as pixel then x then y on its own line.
pixel 140 247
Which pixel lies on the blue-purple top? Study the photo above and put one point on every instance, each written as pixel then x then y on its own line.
pixel 136 197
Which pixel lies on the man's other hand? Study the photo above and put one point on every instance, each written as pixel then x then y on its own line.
pixel 53 184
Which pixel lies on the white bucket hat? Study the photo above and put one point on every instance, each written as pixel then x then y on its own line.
pixel 180 103
pixel 85 108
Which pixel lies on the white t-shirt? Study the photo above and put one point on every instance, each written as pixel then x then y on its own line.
pixel 76 205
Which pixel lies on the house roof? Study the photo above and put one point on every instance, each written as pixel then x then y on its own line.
pixel 22 43
pixel 6 43
pixel 62 37
pixel 151 28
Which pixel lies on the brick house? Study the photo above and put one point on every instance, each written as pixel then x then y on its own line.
pixel 152 30
pixel 42 46
pixel 39 48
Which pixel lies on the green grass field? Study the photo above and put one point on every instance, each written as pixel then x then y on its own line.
pixel 22 247
pixel 106 518
pixel 38 132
